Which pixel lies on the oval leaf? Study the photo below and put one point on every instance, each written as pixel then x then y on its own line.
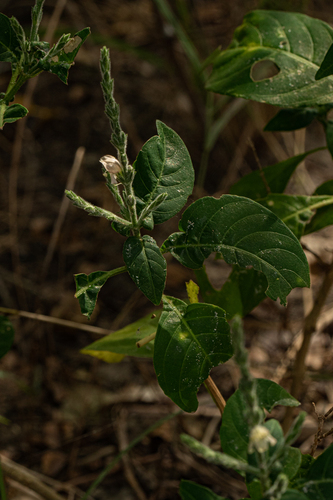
pixel 245 233
pixel 296 44
pixel 146 266
pixel 123 342
pixel 14 112
pixel 190 341
pixel 163 166
pixel 291 119
pixel 6 335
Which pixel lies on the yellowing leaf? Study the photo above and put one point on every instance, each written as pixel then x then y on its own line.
pixel 109 357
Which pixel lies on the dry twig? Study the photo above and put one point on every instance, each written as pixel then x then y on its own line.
pixel 320 435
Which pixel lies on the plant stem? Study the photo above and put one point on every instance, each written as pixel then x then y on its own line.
pixel 215 394
pixel 309 328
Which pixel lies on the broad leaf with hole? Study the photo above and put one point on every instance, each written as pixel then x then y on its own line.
pixel 123 342
pixel 146 266
pixel 10 47
pixel 296 211
pixel 88 287
pixel 6 335
pixel 234 431
pixel 277 177
pixel 294 43
pixel 190 341
pixel 192 491
pixel 323 216
pixel 243 291
pixel 245 233
pixel 291 119
pixel 163 166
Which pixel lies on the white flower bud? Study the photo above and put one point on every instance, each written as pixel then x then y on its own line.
pixel 112 165
pixel 260 439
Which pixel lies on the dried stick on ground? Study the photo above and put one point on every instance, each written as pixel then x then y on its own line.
pixel 24 476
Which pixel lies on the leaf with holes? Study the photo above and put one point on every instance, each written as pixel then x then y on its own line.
pixel 190 341
pixel 163 166
pixel 61 63
pixel 277 177
pixel 294 44
pixel 245 233
pixel 296 211
pixel 146 266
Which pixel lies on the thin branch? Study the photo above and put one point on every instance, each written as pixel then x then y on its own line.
pixel 24 476
pixel 215 393
pixel 56 321
pixel 310 324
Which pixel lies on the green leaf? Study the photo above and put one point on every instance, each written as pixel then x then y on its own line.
pixel 242 292
pixel 6 335
pixel 296 211
pixel 61 63
pixel 277 177
pixel 271 394
pixel 190 341
pixel 146 266
pixel 294 43
pixel 326 67
pixel 323 216
pixel 317 489
pixel 14 112
pixel 163 166
pixel 234 431
pixel 245 233
pixel 192 491
pixel 307 461
pixel 322 467
pixel 88 287
pixel 124 341
pixel 291 119
pixel 295 429
pixel 10 49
